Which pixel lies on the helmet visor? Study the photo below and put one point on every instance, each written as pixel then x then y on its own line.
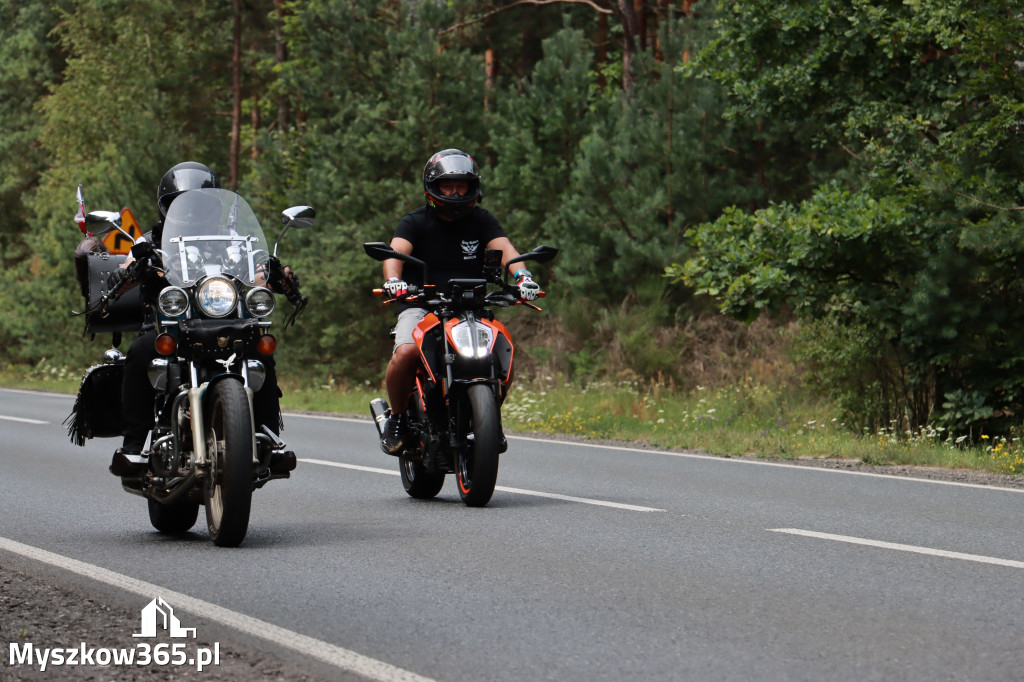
pixel 193 178
pixel 456 165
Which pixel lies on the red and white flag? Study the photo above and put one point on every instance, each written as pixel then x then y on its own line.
pixel 80 216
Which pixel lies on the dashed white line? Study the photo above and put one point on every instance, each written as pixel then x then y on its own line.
pixel 517 491
pixel 23 420
pixel 902 548
pixel 328 653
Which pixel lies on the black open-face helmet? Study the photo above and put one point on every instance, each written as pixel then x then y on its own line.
pixel 181 178
pixel 451 164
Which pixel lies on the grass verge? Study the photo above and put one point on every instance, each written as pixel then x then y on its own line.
pixel 745 419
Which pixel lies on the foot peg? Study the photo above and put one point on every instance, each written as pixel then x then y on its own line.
pixel 128 463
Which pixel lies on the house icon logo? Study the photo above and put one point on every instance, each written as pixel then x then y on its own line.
pixel 159 613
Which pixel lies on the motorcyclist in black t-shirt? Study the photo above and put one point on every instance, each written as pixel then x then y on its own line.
pixel 137 394
pixel 450 234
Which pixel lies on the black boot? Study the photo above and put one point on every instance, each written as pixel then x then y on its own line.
pixel 125 463
pixel 393 437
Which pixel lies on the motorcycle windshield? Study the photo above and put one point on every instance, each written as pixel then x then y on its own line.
pixel 212 232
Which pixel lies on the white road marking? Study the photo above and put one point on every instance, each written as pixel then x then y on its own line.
pixel 518 491
pixel 22 419
pixel 902 548
pixel 51 394
pixel 724 459
pixel 357 467
pixel 584 500
pixel 634 450
pixel 328 653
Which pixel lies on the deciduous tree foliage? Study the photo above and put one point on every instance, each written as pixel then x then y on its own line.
pixel 916 251
pixel 856 163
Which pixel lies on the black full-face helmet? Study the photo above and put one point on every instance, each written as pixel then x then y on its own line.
pixel 451 164
pixel 181 178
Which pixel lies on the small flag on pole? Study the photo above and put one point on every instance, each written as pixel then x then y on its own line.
pixel 80 216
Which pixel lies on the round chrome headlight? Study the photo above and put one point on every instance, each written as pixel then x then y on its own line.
pixel 259 302
pixel 216 297
pixel 173 301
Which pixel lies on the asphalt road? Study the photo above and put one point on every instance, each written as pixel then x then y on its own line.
pixel 590 563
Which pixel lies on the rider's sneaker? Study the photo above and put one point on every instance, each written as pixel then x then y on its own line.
pixel 125 463
pixel 393 434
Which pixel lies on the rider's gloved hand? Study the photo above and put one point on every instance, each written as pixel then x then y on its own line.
pixel 396 287
pixel 116 279
pixel 528 289
pixel 143 250
pixel 279 277
pixel 152 282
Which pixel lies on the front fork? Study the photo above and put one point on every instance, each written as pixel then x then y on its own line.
pixel 195 401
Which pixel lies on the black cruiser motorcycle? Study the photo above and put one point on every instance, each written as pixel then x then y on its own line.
pixel 211 320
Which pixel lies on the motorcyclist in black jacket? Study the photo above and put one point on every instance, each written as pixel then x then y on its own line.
pixel 137 394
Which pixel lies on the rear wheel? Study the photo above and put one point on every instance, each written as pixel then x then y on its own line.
pixel 175 518
pixel 228 489
pixel 417 481
pixel 477 459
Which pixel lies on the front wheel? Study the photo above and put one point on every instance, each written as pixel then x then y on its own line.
pixel 477 465
pixel 227 491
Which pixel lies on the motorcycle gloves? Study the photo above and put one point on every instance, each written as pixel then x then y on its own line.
pixel 282 280
pixel 396 287
pixel 528 289
pixel 144 250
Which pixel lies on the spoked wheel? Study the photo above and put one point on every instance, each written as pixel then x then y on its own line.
pixel 477 460
pixel 175 518
pixel 417 481
pixel 228 489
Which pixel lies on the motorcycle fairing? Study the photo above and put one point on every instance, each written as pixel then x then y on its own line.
pixel 427 344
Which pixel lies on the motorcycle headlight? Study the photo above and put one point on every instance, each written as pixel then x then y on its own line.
pixel 259 302
pixel 173 301
pixel 472 340
pixel 216 297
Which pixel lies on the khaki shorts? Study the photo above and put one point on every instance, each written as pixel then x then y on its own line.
pixel 407 321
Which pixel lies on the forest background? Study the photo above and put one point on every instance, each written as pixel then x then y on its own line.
pixel 808 199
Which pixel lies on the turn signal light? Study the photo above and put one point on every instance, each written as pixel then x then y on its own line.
pixel 266 345
pixel 166 344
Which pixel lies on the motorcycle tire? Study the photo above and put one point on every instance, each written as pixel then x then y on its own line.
pixel 227 491
pixel 175 518
pixel 417 481
pixel 477 463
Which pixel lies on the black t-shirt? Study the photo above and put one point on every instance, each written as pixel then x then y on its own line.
pixel 450 249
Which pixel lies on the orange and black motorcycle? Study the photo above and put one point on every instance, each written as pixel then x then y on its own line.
pixel 465 370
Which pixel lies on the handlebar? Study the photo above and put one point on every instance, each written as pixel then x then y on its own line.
pixel 504 298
